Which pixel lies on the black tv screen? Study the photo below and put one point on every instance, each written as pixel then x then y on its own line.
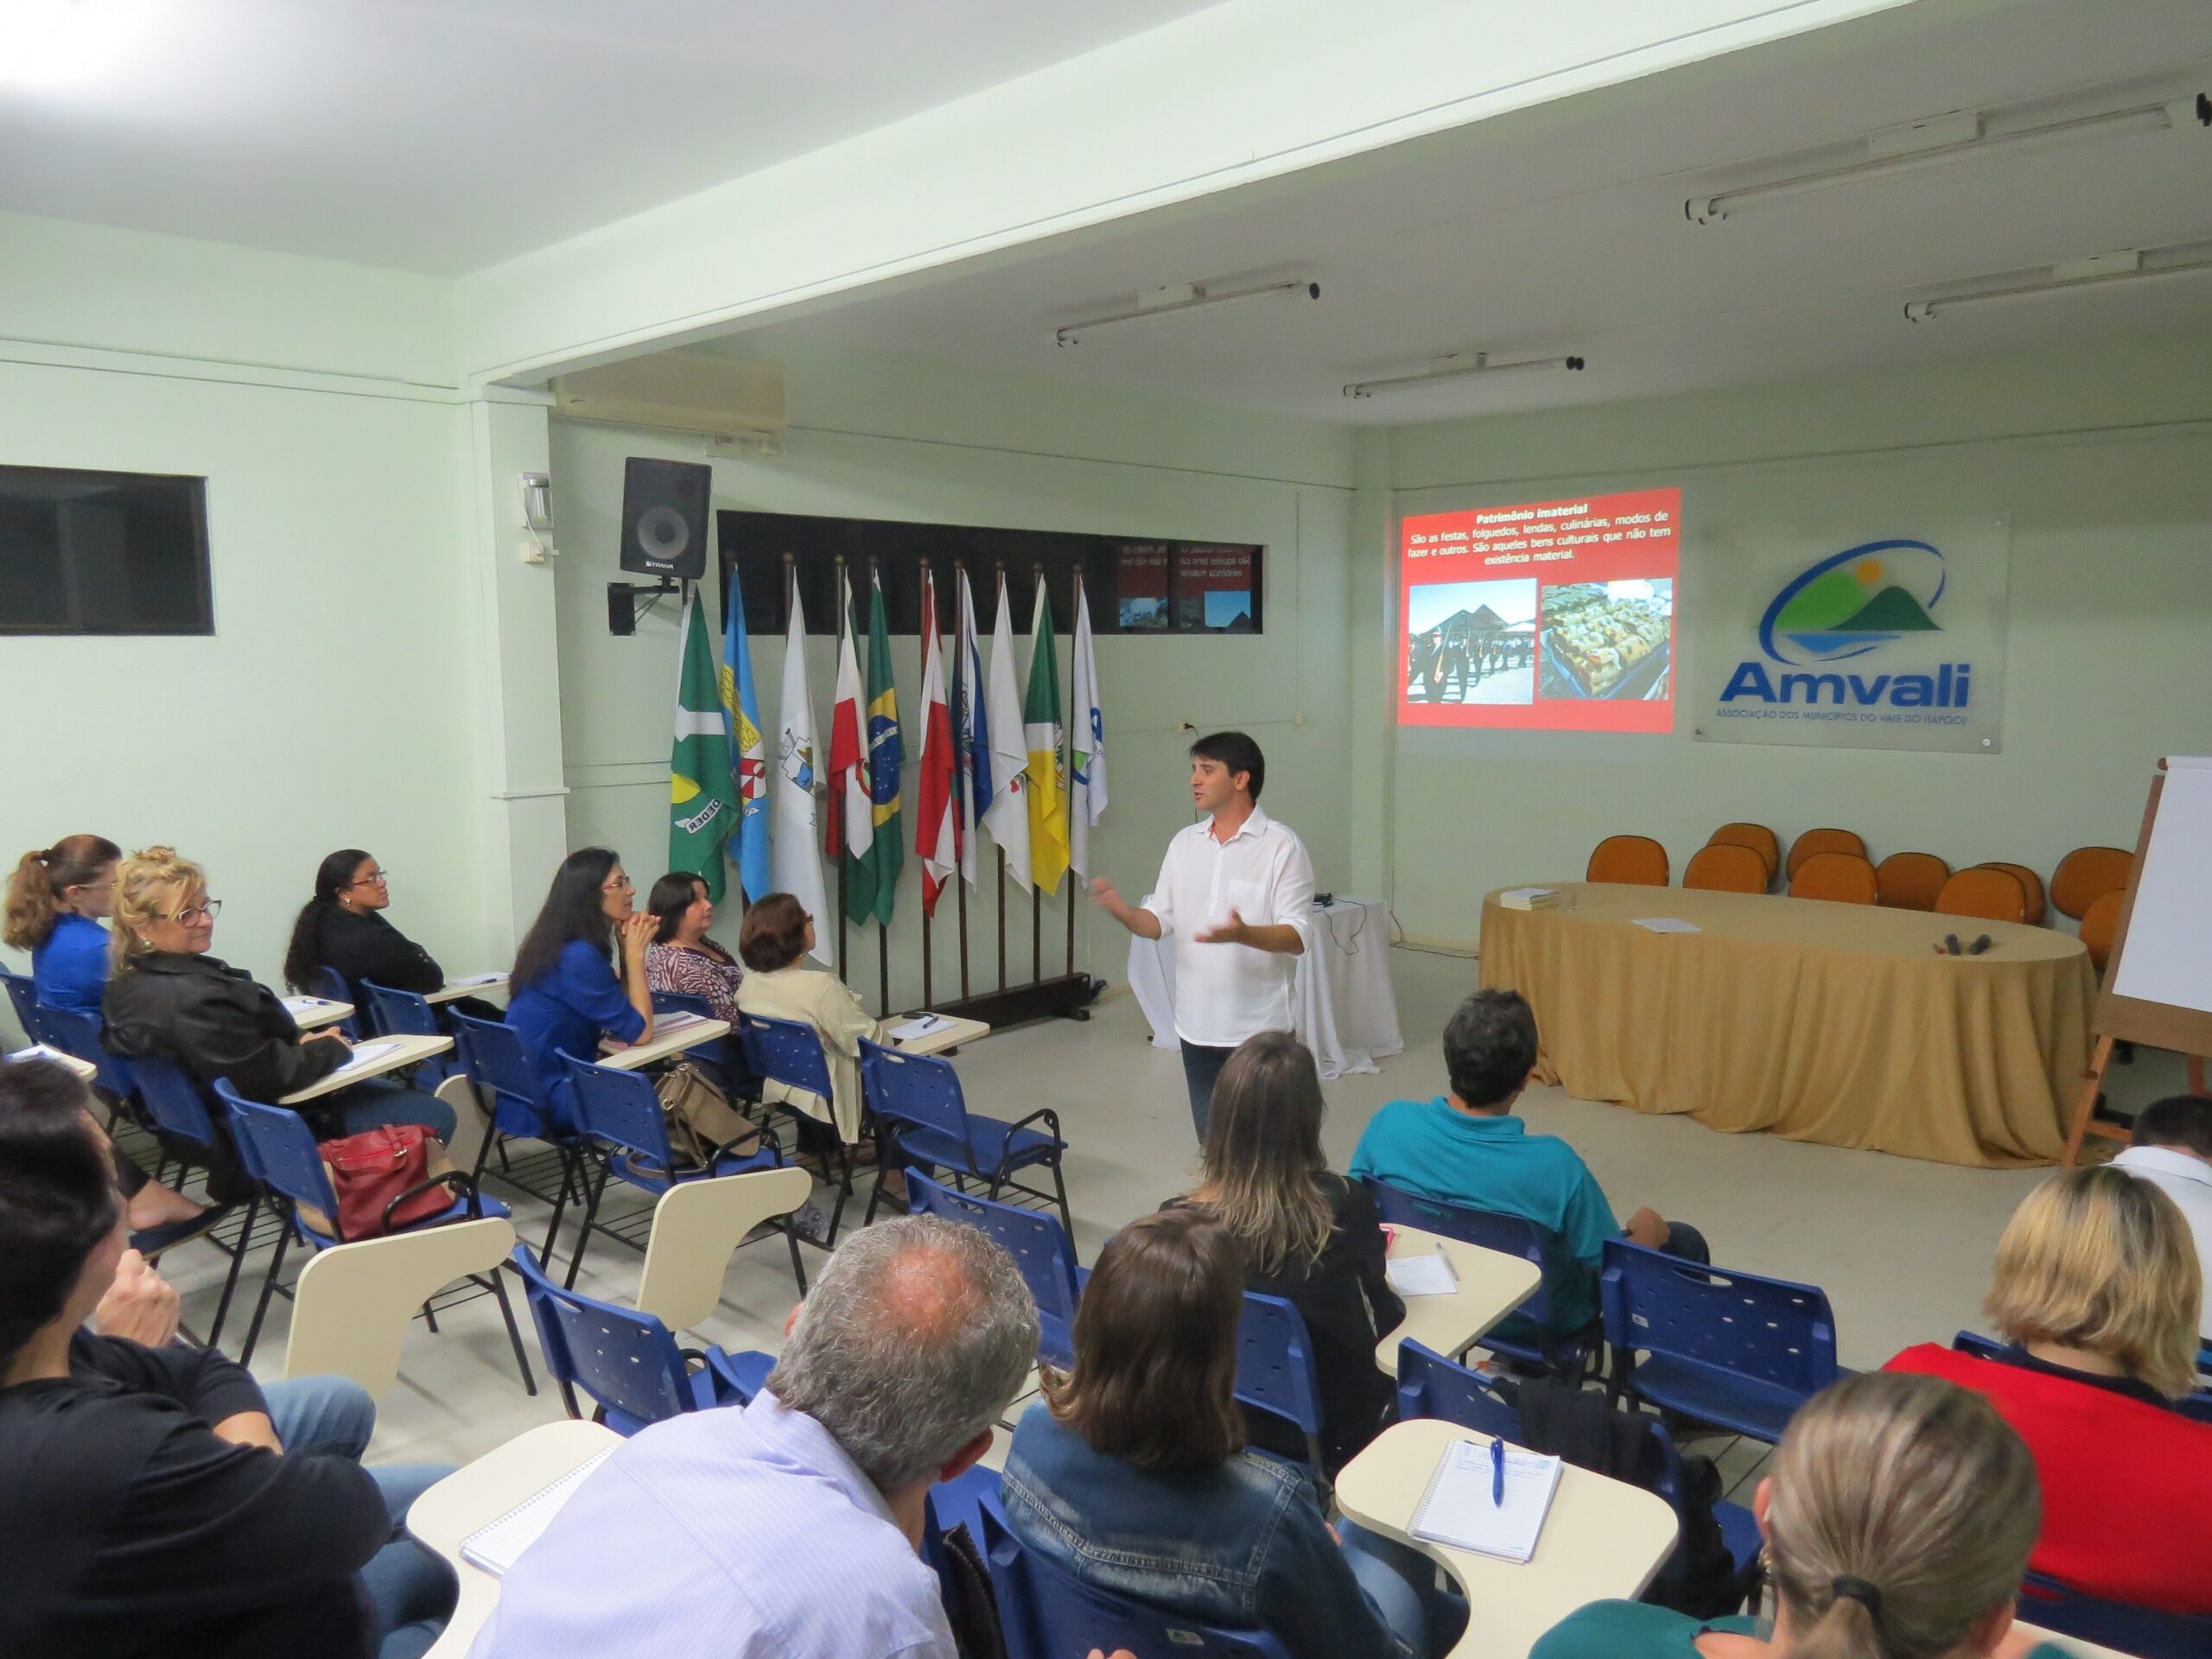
pixel 88 552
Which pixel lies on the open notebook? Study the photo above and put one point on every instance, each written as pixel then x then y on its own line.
pixel 500 1546
pixel 1458 1508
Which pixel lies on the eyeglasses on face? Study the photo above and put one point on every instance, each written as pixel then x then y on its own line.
pixel 192 915
pixel 619 884
pixel 374 879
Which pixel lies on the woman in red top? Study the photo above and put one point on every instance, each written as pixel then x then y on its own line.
pixel 2097 1289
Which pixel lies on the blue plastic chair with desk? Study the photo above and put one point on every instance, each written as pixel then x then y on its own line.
pixel 1041 1249
pixel 508 1087
pixel 281 1152
pixel 1274 1370
pixel 2196 1406
pixel 922 1116
pixel 330 984
pixel 22 993
pixel 789 1052
pixel 408 1013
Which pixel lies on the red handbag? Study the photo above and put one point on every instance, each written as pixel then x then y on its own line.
pixel 369 1170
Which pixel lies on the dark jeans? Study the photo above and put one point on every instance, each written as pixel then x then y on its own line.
pixel 1200 1067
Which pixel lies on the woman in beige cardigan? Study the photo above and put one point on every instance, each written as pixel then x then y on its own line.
pixel 776 935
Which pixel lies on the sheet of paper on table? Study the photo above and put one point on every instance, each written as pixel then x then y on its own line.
pixel 366 1054
pixel 1459 1509
pixel 667 1025
pixel 1668 925
pixel 40 1052
pixel 927 1024
pixel 1422 1276
pixel 1529 897
pixel 500 1546
pixel 477 979
pixel 296 1005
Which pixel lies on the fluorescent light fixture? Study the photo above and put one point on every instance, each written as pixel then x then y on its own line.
pixel 1458 368
pixel 2098 270
pixel 1924 145
pixel 1182 300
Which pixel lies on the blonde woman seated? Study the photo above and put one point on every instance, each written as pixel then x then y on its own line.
pixel 774 942
pixel 1898 1519
pixel 2097 1289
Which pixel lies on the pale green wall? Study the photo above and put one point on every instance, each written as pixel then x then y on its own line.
pixel 884 440
pixel 2101 456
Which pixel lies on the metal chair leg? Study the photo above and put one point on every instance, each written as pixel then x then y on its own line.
pixel 591 1217
pixel 230 1278
pixel 1060 1186
pixel 569 1172
pixel 268 1289
pixel 430 1318
pixel 799 1268
pixel 514 1332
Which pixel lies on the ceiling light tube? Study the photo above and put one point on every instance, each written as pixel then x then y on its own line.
pixel 1451 368
pixel 1182 301
pixel 2087 129
pixel 2105 271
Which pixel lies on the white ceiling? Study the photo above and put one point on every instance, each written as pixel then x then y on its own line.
pixel 442 135
pixel 1561 229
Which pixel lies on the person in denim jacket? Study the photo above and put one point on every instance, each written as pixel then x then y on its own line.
pixel 1130 1473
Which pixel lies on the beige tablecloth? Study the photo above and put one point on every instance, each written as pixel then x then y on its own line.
pixel 1834 1023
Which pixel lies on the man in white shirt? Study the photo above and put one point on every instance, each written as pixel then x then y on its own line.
pixel 2171 1148
pixel 1236 891
pixel 789 1529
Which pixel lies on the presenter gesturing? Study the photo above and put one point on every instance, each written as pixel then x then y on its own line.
pixel 1236 891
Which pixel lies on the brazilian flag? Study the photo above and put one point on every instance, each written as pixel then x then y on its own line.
pixel 871 883
pixel 702 799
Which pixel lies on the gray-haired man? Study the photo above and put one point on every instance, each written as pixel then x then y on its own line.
pixel 790 1528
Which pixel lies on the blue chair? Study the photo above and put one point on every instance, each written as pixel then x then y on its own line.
pixel 1038 1246
pixel 281 1152
pixel 1049 1614
pixel 178 1111
pixel 619 1115
pixel 1275 1370
pixel 922 1117
pixel 1430 1385
pixel 80 1034
pixel 2144 1632
pixel 1567 1353
pixel 1731 1349
pixel 628 1362
pixel 22 992
pixel 2198 1406
pixel 789 1052
pixel 408 1013
pixel 507 1082
pixel 736 1078
pixel 330 983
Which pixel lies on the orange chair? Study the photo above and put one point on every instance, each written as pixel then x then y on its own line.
pixel 1911 881
pixel 1838 877
pixel 1727 868
pixel 2101 926
pixel 2086 874
pixel 1824 840
pixel 2030 888
pixel 1628 861
pixel 1756 836
pixel 1985 891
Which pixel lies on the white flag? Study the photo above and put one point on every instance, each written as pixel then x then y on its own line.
pixel 1087 776
pixel 1007 815
pixel 971 730
pixel 793 864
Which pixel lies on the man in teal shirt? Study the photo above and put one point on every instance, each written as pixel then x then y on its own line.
pixel 1465 1148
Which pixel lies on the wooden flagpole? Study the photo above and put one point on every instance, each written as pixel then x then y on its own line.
pixel 961 782
pixel 1036 887
pixel 1072 712
pixel 999 568
pixel 844 621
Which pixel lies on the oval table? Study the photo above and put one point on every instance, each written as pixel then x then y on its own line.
pixel 1816 1022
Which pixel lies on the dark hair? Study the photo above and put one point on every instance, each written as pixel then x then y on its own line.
pixel 57 1196
pixel 1155 1346
pixel 42 876
pixel 1263 1158
pixel 1236 752
pixel 1489 1046
pixel 2183 1121
pixel 574 908
pixel 303 957
pixel 774 934
pixel 672 895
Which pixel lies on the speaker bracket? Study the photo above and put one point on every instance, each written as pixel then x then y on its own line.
pixel 622 599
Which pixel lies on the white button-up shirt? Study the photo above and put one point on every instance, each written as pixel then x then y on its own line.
pixel 1225 992
pixel 2187 1179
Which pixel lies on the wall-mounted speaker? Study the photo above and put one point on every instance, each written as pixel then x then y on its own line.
pixel 664 512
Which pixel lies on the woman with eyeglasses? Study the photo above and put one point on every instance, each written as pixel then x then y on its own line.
pixel 167 998
pixel 343 927
pixel 566 996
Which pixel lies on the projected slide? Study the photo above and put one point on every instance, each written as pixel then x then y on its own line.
pixel 1555 615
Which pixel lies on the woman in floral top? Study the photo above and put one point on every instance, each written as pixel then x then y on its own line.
pixel 682 958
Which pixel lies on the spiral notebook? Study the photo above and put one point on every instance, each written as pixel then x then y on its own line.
pixel 1459 1509
pixel 497 1547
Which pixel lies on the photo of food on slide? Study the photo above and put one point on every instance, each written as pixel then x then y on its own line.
pixel 1471 642
pixel 1606 640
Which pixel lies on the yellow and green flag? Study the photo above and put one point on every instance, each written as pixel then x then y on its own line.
pixel 872 883
pixel 702 797
pixel 1048 768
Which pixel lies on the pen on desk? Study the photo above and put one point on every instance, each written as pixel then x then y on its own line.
pixel 1497 1474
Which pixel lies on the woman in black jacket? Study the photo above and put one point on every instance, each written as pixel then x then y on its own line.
pixel 1309 1235
pixel 343 927
pixel 168 998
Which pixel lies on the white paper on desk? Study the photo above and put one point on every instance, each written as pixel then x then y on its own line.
pixel 1427 1274
pixel 1668 925
pixel 478 979
pixel 500 1546
pixel 42 1051
pixel 1457 1508
pixel 667 1025
pixel 367 1054
pixel 928 1025
pixel 296 1005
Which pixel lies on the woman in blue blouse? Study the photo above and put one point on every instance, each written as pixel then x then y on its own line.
pixel 564 994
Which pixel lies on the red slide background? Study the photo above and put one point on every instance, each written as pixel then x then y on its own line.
pixel 1530 540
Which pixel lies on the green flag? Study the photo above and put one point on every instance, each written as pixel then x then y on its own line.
pixel 1048 765
pixel 702 801
pixel 874 881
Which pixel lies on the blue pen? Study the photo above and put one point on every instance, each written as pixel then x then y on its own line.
pixel 1497 1474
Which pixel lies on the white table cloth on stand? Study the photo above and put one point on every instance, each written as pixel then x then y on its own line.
pixel 1345 1011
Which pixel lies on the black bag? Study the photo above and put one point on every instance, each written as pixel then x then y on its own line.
pixel 970 1608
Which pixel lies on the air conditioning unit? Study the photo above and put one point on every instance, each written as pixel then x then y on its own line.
pixel 689 392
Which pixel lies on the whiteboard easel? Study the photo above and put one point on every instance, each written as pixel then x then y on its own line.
pixel 2157 989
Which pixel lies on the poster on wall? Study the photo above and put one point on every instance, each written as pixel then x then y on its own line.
pixel 1550 615
pixel 1885 636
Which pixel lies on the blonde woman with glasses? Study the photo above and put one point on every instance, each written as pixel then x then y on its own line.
pixel 1897 1519
pixel 2096 1291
